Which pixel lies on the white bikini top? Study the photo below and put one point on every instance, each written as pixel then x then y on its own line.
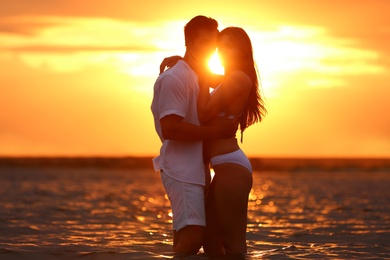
pixel 231 116
pixel 223 113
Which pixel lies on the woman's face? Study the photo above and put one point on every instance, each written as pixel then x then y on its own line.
pixel 228 52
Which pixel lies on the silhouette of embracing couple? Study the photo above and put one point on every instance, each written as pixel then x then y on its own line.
pixel 198 132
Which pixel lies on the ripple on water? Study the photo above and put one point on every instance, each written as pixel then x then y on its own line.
pixel 122 214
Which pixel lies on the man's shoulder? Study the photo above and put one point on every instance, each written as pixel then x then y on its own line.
pixel 180 70
pixel 180 73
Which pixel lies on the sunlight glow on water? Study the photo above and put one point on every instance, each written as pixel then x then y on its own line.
pixel 95 211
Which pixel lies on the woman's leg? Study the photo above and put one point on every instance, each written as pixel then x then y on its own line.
pixel 233 183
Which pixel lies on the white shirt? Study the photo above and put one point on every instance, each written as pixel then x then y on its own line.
pixel 176 92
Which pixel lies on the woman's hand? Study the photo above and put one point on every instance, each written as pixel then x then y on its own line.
pixel 168 62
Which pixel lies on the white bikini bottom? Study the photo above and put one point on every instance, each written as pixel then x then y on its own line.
pixel 237 157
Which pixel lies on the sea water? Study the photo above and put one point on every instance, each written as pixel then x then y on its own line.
pixel 95 213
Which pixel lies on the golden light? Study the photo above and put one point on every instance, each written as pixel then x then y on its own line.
pixel 215 64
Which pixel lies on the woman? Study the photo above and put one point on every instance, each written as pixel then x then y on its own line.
pixel 237 97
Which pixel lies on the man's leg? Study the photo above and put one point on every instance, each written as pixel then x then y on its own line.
pixel 189 239
pixel 187 202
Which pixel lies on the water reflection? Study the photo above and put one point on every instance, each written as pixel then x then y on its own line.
pixel 92 212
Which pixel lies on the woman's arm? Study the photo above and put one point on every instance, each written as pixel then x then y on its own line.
pixel 203 98
pixel 233 85
pixel 215 80
pixel 169 62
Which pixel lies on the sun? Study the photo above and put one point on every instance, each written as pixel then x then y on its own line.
pixel 215 64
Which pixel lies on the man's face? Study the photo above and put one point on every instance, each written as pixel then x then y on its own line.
pixel 204 45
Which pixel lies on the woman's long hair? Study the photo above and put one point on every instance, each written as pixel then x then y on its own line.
pixel 254 109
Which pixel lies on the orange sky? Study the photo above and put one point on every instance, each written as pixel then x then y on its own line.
pixel 76 77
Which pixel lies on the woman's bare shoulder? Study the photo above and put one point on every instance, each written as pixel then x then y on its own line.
pixel 238 78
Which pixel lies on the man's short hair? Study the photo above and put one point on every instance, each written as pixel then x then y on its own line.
pixel 197 23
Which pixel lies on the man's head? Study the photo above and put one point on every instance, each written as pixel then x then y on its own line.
pixel 201 34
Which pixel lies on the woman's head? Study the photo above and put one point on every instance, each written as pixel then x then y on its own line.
pixel 235 48
pixel 236 53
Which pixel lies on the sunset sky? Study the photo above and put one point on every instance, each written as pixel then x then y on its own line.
pixel 76 77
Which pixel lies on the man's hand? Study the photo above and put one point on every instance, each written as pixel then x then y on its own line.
pixel 168 62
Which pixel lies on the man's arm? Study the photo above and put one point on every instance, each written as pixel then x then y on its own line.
pixel 173 128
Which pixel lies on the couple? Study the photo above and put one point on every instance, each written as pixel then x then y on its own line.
pixel 198 128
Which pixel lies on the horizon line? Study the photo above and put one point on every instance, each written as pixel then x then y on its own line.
pixel 152 156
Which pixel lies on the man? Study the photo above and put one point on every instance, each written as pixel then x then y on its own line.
pixel 176 121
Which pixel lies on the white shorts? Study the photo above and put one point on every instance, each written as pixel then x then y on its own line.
pixel 187 202
pixel 237 157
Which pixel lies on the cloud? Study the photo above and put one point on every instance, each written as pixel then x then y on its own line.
pixel 291 58
pixel 75 49
pixel 124 10
pixel 352 120
pixel 68 44
pixel 56 34
pixel 22 27
pixel 92 111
